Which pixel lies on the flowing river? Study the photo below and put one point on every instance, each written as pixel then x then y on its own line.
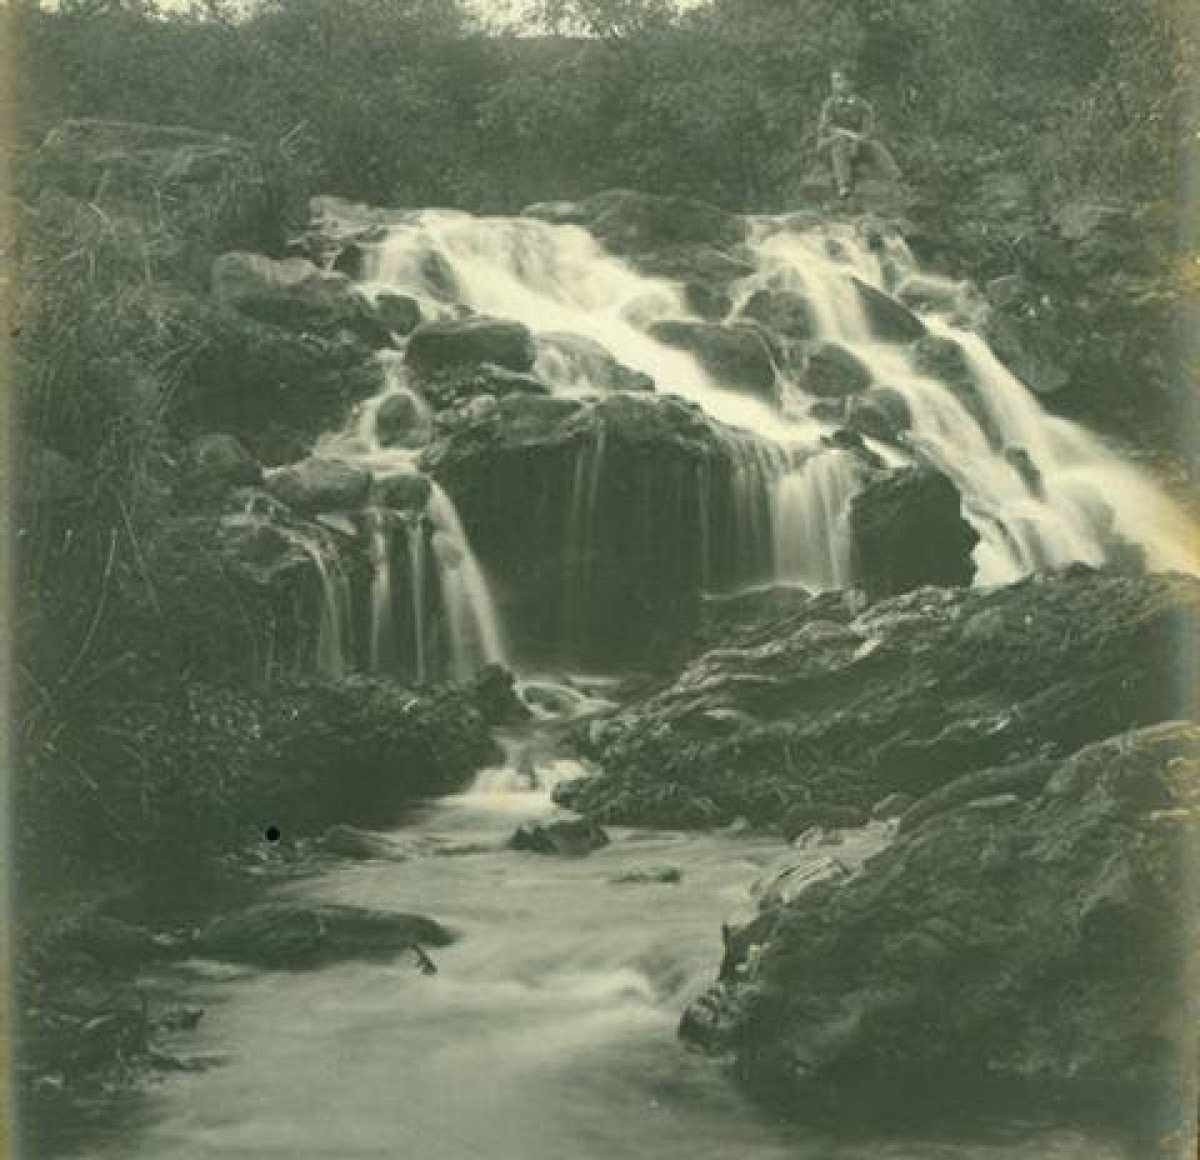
pixel 548 1032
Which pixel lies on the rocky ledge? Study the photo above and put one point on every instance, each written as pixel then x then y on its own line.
pixel 806 701
pixel 1034 946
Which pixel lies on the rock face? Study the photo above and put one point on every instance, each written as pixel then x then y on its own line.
pixel 737 357
pixel 840 706
pixel 600 523
pixel 295 936
pixel 1037 947
pixel 439 346
pixel 906 530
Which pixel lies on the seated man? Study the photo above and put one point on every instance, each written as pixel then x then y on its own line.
pixel 847 122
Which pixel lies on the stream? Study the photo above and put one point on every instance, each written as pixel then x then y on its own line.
pixel 548 1032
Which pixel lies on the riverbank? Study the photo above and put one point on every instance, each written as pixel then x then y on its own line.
pixel 548 1028
pixel 255 789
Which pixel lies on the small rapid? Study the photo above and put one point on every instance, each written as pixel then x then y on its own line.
pixel 548 1031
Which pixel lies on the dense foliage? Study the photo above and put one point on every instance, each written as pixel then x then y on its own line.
pixel 408 101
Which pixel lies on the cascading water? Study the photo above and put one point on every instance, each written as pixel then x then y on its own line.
pixel 401 632
pixel 333 632
pixel 475 634
pixel 1040 491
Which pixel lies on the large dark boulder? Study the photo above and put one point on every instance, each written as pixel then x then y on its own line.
pixel 736 357
pixel 888 319
pixel 317 484
pixel 907 529
pixel 399 422
pixel 1036 949
pixel 880 413
pixel 599 523
pixel 298 936
pixel 439 346
pixel 835 704
pixel 786 312
pixel 831 371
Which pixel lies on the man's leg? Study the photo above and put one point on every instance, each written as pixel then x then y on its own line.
pixel 842 153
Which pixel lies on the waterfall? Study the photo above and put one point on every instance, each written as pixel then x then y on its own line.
pixel 475 634
pixel 581 544
pixel 1040 491
pixel 333 631
pixel 380 554
pixel 416 563
pixel 811 506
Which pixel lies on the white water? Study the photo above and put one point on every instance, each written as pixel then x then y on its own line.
pixel 334 627
pixel 473 635
pixel 557 278
pixel 547 1034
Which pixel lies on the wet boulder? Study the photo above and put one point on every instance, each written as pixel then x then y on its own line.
pixel 907 530
pixel 589 517
pixel 580 361
pixel 399 422
pixel 1043 951
pixel 217 462
pixel 570 837
pixel 292 293
pixel 712 303
pixel 832 371
pixel 398 312
pixel 301 935
pixel 407 491
pixel 786 312
pixel 735 357
pixel 888 319
pixel 881 413
pixel 439 346
pixel 317 484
